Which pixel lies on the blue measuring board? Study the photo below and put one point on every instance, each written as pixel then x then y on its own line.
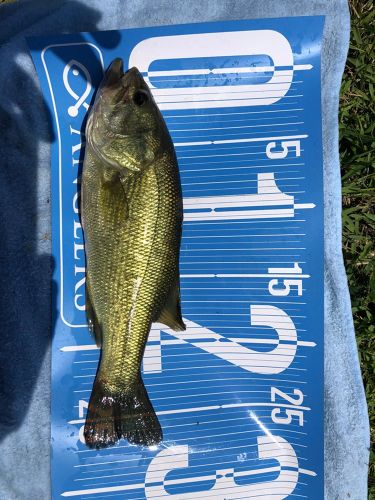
pixel 239 394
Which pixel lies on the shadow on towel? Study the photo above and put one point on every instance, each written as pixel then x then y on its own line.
pixel 27 291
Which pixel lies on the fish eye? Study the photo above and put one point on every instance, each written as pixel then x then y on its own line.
pixel 140 97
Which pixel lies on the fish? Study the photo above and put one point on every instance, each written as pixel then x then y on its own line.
pixel 131 214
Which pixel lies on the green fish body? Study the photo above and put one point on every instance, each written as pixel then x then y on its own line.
pixel 131 209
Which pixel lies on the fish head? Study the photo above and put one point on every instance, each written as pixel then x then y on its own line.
pixel 125 127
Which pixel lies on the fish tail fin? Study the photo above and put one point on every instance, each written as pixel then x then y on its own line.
pixel 103 420
pixel 125 414
pixel 139 423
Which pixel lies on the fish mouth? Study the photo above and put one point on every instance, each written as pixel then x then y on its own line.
pixel 119 84
pixel 114 72
pixel 132 78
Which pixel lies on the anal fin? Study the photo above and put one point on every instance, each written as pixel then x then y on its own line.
pixel 171 313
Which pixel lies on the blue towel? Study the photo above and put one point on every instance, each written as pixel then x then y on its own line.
pixel 25 244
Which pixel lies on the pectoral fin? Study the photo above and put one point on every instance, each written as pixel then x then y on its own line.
pixel 171 313
pixel 92 319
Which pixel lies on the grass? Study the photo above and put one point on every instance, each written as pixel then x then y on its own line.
pixel 357 145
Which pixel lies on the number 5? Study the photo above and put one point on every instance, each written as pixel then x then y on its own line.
pixel 273 155
pixel 287 284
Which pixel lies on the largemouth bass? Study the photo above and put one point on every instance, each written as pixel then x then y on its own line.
pixel 131 210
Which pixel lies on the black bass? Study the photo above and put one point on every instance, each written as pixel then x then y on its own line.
pixel 131 210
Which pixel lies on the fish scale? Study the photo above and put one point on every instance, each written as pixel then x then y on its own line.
pixel 132 217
